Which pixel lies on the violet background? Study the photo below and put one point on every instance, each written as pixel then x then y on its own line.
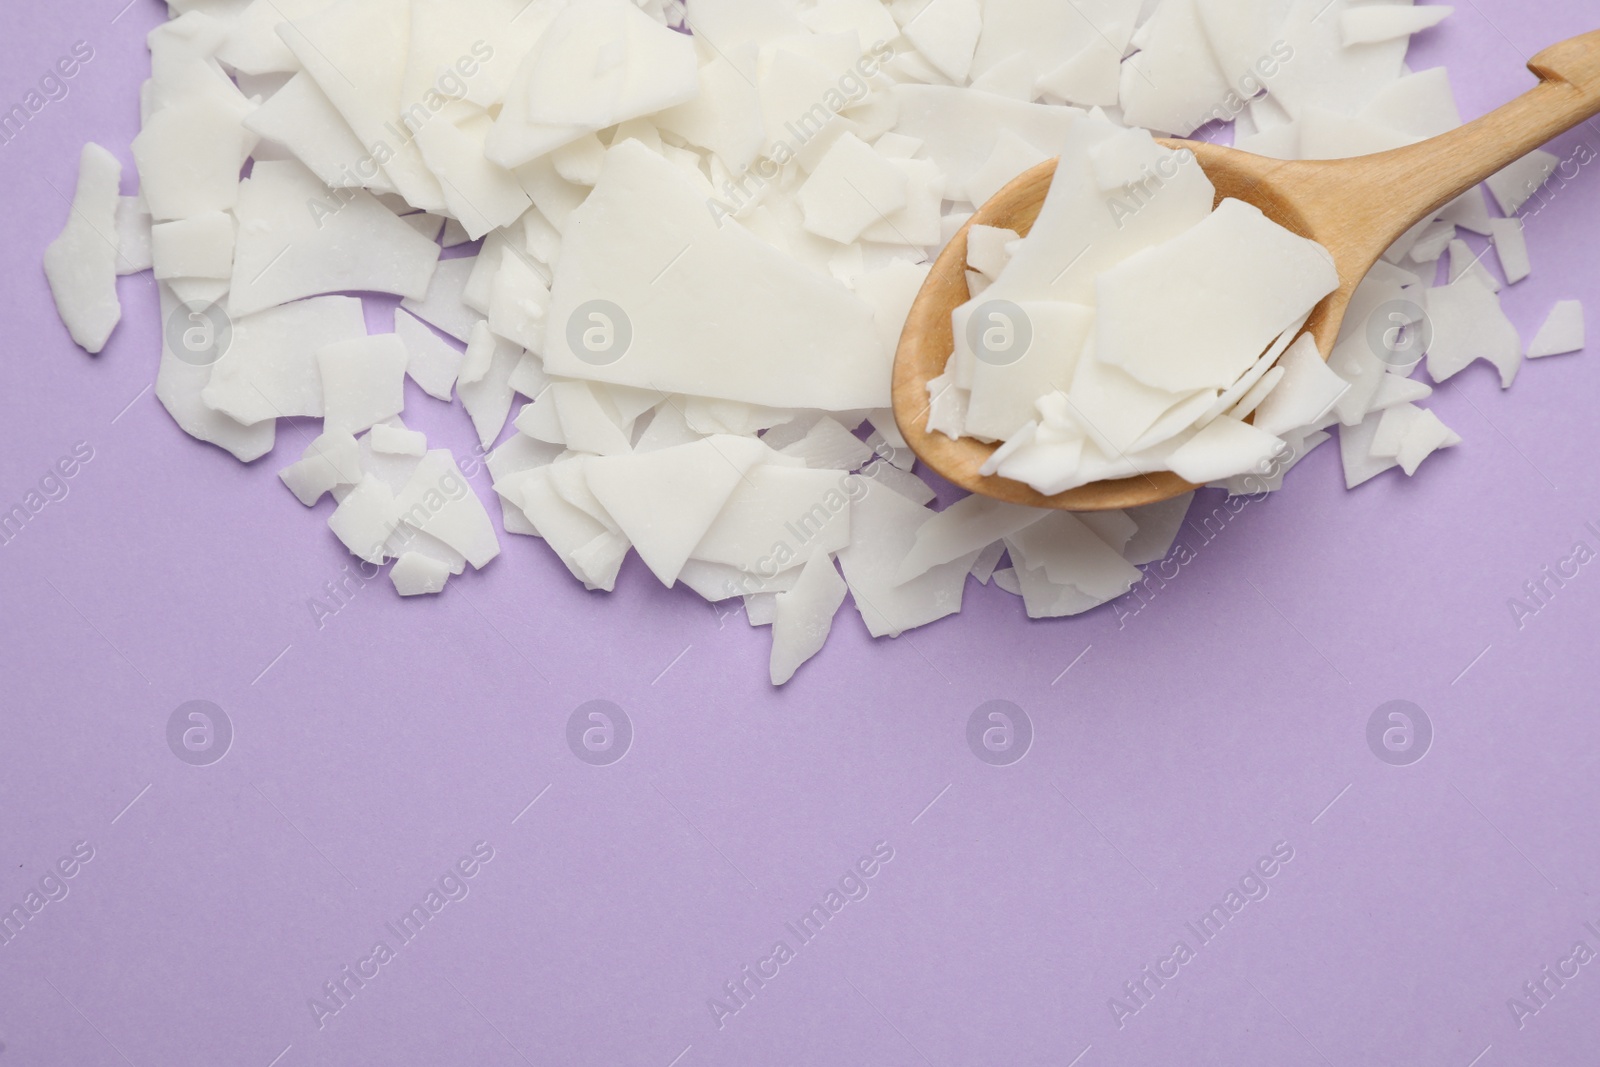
pixel 1178 748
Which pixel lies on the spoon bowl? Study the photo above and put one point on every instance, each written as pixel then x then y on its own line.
pixel 1355 208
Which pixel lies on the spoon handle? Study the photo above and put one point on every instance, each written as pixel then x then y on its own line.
pixel 1370 201
pixel 1568 93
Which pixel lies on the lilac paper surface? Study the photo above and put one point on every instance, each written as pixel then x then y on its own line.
pixel 1172 749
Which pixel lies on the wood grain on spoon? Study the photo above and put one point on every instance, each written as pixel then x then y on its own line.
pixel 1355 208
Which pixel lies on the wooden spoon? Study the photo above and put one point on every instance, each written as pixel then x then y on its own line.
pixel 1355 208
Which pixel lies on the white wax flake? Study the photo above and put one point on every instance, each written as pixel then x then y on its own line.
pixel 1326 134
pixel 1355 362
pixel 716 582
pixel 1464 261
pixel 1408 434
pixel 605 61
pixel 1231 397
pixel 589 421
pixel 1394 389
pixel 188 155
pixel 1157 529
pixel 1091 78
pixel 1174 81
pixel 1355 452
pixel 1469 325
pixel 1011 156
pixel 1257 393
pixel 1308 391
pixel 480 194
pixel 887 440
pixel 1469 211
pixel 724 118
pixel 424 223
pixel 1225 447
pixel 1511 245
pixel 133 235
pixel 1382 303
pixel 917 224
pixel 197 247
pixel 1014 78
pixel 1316 69
pixel 1114 409
pixel 1247 41
pixel 444 306
pixel 252 45
pixel 489 396
pixel 902 482
pixel 850 189
pixel 440 502
pixel 1197 410
pixel 655 294
pixel 478 358
pixel 1118 162
pixel 567 529
pixel 947 406
pixel 431 361
pixel 365 519
pixel 890 292
pixel 1376 22
pixel 964 527
pixel 1521 181
pixel 296 239
pixel 269 369
pixel 983 567
pixel 416 575
pixel 330 461
pixel 959 129
pixel 1022 360
pixel 665 501
pixel 301 119
pixel 946 33
pixel 761 609
pixel 363 382
pixel 884 527
pixel 1196 312
pixel 1432 241
pixel 81 264
pixel 398 441
pixel 183 378
pixel 803 616
pixel 580 162
pixel 697 246
pixel 829 446
pixel 1562 332
pixel 357 52
pixel 989 249
pixel 778 517
pixel 1006 578
pixel 1082 231
pixel 1048 34
pixel 1072 554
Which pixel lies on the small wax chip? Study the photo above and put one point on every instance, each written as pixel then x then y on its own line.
pixel 81 264
pixel 414 574
pixel 398 441
pixel 1561 333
